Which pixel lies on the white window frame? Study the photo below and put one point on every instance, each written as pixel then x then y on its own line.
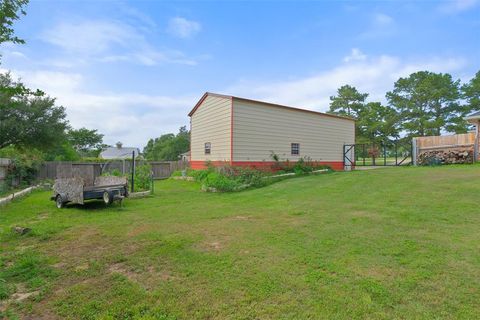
pixel 297 148
pixel 208 146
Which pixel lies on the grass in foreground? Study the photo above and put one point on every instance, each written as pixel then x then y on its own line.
pixel 378 244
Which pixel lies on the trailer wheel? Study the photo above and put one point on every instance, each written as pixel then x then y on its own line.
pixel 59 202
pixel 108 197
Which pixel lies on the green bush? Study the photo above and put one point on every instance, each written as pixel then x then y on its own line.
pixel 227 178
pixel 200 175
pixel 23 168
pixel 251 177
pixel 220 182
pixel 176 173
pixel 143 177
pixel 114 172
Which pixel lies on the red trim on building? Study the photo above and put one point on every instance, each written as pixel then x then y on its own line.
pixel 335 165
pixel 201 164
pixel 266 165
pixel 205 95
pixel 231 130
pixel 190 155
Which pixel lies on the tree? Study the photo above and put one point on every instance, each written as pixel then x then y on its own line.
pixel 10 10
pixel 62 152
pixel 428 103
pixel 29 119
pixel 347 102
pixel 471 93
pixel 168 146
pixel 86 142
pixel 377 123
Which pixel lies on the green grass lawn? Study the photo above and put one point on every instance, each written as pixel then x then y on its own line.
pixel 377 244
pixel 380 161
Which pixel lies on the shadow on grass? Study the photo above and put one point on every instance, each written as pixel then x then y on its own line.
pixel 93 205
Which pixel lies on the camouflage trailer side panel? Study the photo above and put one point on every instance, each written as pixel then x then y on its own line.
pixel 69 188
pixel 109 181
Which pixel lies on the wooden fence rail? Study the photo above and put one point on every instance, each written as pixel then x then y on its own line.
pixel 465 142
pixel 91 170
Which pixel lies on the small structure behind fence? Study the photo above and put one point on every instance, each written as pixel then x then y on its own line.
pixel 91 170
pixel 456 148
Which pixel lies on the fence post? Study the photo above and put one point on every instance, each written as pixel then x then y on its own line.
pixel 133 172
pixel 413 152
pixel 396 153
pixel 363 154
pixel 384 154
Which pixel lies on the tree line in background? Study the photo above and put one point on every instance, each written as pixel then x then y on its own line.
pixel 169 146
pixel 422 104
pixel 31 124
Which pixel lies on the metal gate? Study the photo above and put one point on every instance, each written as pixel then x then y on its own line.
pixel 389 153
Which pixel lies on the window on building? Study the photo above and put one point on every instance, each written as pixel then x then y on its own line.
pixel 208 147
pixel 295 149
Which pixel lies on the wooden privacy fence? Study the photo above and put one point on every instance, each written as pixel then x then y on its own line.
pixel 456 148
pixel 91 170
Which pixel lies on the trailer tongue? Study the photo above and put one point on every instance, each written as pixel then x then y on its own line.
pixel 75 190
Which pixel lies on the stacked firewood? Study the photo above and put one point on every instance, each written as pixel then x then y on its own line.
pixel 445 156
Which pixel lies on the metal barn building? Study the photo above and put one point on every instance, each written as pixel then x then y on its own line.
pixel 244 132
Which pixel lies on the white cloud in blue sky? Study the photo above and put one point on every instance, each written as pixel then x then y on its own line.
pixel 183 28
pixel 454 6
pixel 133 69
pixel 355 55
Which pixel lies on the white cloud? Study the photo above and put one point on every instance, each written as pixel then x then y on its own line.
pixel 374 75
pixel 132 118
pixel 108 41
pixel 381 19
pixel 51 81
pixel 453 6
pixel 355 55
pixel 89 36
pixel 381 25
pixel 183 28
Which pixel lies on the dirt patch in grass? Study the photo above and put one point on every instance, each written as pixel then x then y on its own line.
pixel 363 214
pixel 213 241
pixel 146 277
pixel 379 272
pixel 123 270
pixel 242 218
pixel 140 230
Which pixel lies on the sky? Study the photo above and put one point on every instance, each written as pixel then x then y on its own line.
pixel 134 69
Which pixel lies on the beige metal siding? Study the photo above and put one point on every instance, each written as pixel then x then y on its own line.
pixel 211 123
pixel 259 129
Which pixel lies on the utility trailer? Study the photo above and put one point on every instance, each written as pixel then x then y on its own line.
pixel 76 190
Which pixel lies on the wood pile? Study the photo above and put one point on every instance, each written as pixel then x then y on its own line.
pixel 445 156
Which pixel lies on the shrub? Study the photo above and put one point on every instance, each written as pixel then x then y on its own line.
pixel 227 178
pixel 176 173
pixel 220 181
pixel 114 172
pixel 143 177
pixel 251 177
pixel 23 167
pixel 200 175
